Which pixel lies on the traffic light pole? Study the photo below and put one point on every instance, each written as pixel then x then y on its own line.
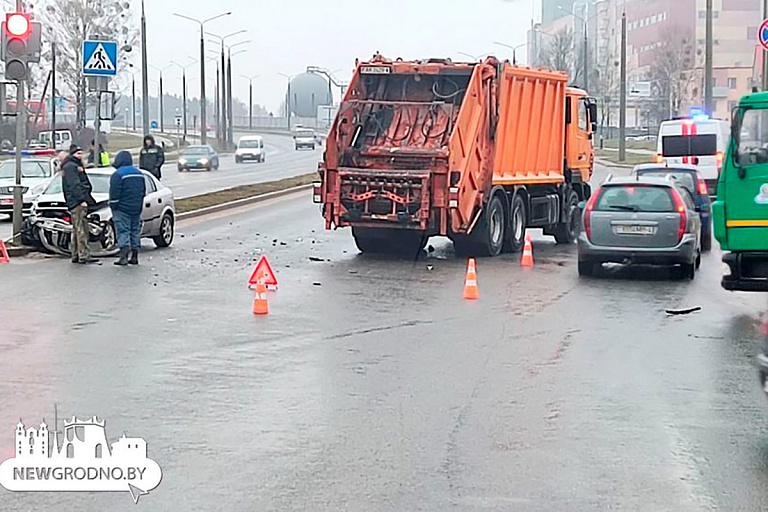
pixel 53 95
pixel 21 121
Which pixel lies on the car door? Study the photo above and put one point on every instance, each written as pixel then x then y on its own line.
pixel 150 214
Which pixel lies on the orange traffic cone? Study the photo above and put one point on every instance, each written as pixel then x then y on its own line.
pixel 471 291
pixel 527 260
pixel 260 304
pixel 4 258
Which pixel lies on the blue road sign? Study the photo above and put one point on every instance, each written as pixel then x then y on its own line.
pixel 99 58
pixel 153 125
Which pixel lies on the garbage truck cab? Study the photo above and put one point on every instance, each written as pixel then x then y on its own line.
pixel 741 211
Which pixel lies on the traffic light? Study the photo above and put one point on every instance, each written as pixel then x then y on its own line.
pixel 21 44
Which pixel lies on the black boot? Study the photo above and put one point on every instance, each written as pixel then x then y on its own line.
pixel 134 257
pixel 123 260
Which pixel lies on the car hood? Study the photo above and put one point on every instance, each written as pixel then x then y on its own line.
pixel 305 139
pixel 59 198
pixel 25 182
pixel 240 151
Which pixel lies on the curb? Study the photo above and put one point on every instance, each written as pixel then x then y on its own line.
pixel 242 202
pixel 609 163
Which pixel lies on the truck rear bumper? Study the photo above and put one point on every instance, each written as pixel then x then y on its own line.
pixel 747 271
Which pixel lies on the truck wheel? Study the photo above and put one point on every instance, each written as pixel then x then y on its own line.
pixel 489 232
pixel 515 236
pixel 567 231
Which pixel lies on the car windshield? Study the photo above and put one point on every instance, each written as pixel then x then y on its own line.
pixel 29 169
pixel 99 182
pixel 752 136
pixel 198 151
pixel 250 144
pixel 636 198
pixel 305 134
pixel 685 178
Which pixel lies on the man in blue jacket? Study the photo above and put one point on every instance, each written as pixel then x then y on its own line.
pixel 126 198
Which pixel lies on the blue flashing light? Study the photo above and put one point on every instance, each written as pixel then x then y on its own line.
pixel 698 114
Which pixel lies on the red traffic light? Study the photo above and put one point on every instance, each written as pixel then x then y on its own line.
pixel 17 24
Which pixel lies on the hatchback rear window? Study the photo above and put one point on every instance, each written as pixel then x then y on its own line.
pixel 635 198
pixel 684 178
pixel 683 145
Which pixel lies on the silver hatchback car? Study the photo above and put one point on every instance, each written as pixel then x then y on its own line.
pixel 643 220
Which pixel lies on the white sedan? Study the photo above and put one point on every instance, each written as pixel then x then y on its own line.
pixel 51 223
pixel 35 173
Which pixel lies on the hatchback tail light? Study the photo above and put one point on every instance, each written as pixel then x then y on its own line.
pixel 588 213
pixel 681 209
pixel 66 218
pixel 701 185
pixel 659 158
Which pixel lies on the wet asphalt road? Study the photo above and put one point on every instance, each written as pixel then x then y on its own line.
pixel 283 161
pixel 373 386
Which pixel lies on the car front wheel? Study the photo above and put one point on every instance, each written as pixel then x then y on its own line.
pixel 165 237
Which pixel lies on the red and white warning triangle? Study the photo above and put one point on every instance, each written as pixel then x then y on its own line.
pixel 263 271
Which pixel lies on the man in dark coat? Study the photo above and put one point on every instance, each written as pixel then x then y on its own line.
pixel 77 194
pixel 127 189
pixel 152 157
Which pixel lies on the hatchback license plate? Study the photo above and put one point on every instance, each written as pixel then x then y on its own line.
pixel 635 230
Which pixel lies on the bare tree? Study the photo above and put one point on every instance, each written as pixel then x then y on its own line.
pixel 70 22
pixel 558 53
pixel 672 77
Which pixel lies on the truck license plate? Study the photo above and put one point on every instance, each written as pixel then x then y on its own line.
pixel 375 70
pixel 6 201
pixel 635 230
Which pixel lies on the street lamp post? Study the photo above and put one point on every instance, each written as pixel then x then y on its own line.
pixel 224 109
pixel 513 48
pixel 250 99
pixel 230 109
pixel 585 55
pixel 288 100
pixel 203 125
pixel 474 57
pixel 162 117
pixel 184 93
pixel 144 73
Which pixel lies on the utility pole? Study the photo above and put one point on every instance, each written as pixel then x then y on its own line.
pixel 144 74
pixel 218 107
pixel 184 102
pixel 250 104
pixel 53 95
pixel 133 100
pixel 203 101
pixel 585 64
pixel 623 92
pixel 764 53
pixel 708 74
pixel 230 110
pixel 223 106
pixel 162 116
pixel 21 122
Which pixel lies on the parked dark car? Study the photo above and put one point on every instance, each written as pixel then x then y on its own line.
pixel 198 157
pixel 690 178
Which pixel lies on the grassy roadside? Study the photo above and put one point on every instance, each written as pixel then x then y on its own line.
pixel 632 158
pixel 242 192
pixel 647 145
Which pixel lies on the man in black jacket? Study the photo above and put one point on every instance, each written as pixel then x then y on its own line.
pixel 77 194
pixel 152 157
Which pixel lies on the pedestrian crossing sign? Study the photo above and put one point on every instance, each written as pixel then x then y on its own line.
pixel 99 58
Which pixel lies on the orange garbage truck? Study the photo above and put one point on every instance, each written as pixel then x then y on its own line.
pixel 477 152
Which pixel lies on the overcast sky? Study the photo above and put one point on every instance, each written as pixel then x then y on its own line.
pixel 289 35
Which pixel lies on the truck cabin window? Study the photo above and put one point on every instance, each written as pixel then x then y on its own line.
pixel 752 137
